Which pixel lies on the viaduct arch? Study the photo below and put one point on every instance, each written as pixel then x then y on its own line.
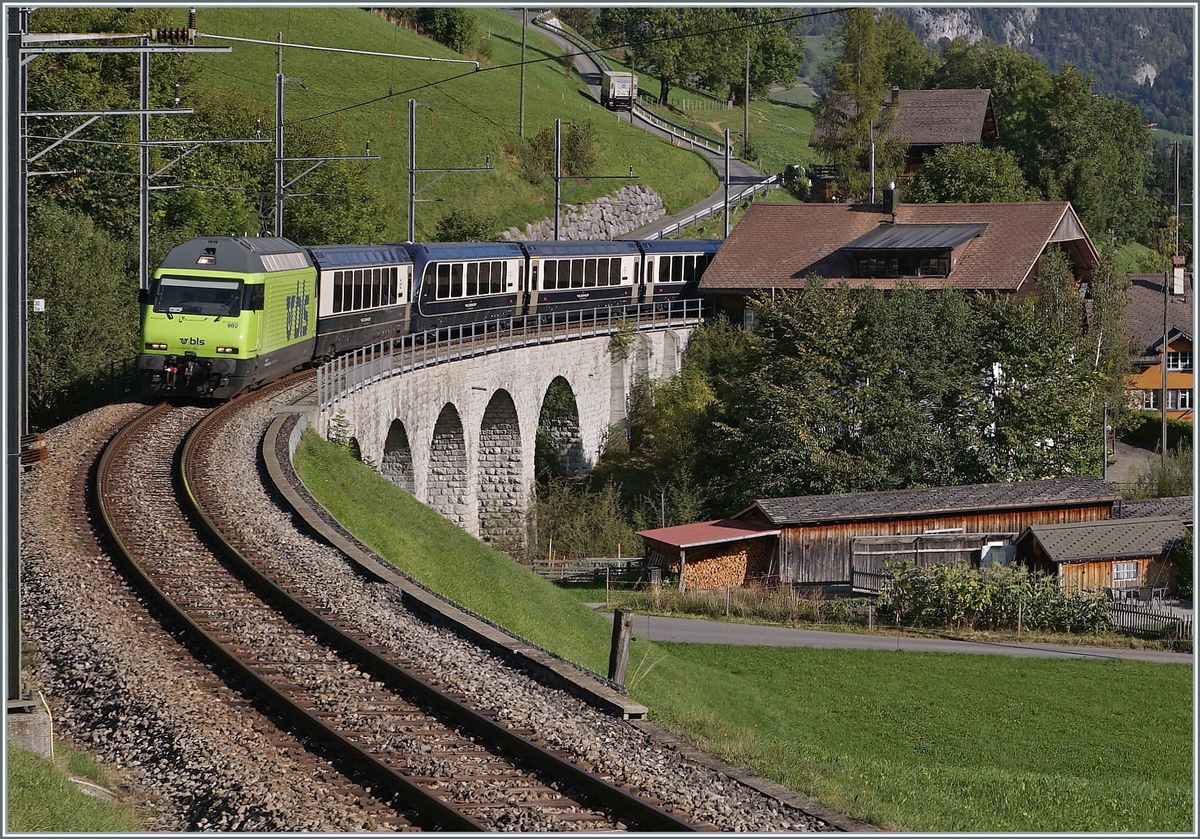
pixel 460 436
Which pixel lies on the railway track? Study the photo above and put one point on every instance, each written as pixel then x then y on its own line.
pixel 428 759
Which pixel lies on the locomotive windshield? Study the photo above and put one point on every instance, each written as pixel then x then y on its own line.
pixel 196 296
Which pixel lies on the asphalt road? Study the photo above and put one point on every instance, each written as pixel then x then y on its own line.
pixel 739 172
pixel 695 631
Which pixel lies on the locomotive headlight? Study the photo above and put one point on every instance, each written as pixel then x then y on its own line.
pixel 227 350
pixel 152 345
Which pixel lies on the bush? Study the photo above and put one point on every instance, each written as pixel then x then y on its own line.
pixel 1164 477
pixel 454 28
pixel 1181 559
pixel 1147 430
pixel 465 226
pixel 995 598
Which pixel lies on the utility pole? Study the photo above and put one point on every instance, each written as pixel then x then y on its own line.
pixel 726 183
pixel 1163 404
pixel 280 184
pixel 23 47
pixel 413 104
pixel 279 81
pixel 14 323
pixel 746 106
pixel 557 172
pixel 558 175
pixel 524 29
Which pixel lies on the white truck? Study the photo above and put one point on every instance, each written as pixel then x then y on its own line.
pixel 618 90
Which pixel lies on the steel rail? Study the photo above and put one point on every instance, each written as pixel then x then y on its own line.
pixel 430 806
pixel 623 803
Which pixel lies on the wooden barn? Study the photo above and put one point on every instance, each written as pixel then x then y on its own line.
pixel 711 554
pixel 1126 556
pixel 840 542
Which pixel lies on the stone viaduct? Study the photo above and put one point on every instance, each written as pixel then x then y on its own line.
pixel 460 435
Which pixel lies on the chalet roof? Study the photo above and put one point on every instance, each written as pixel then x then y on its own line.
pixel 969 498
pixel 938 117
pixel 697 534
pixel 1106 539
pixel 933 117
pixel 1144 312
pixel 1181 507
pixel 780 245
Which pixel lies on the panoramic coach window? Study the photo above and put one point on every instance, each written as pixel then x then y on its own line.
pixel 365 289
pixel 469 279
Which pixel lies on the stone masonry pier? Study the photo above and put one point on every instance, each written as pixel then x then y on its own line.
pixel 460 436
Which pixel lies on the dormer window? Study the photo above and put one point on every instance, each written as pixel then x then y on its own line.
pixel 911 250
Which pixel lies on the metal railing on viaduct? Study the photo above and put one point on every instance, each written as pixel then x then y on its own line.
pixel 350 372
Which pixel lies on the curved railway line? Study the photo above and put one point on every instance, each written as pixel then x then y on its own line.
pixel 305 686
pixel 422 751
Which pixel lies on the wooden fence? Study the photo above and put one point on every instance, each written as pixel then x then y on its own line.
pixel 1149 623
pixel 584 570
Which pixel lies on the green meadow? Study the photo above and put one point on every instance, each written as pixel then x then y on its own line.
pixel 908 741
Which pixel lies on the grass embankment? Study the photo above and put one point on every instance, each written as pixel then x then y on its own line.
pixel 471 114
pixel 43 799
pixel 909 741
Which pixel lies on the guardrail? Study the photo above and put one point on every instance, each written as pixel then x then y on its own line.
pixel 764 185
pixel 662 123
pixel 683 133
pixel 354 370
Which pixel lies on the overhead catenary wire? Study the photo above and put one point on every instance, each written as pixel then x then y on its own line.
pixel 408 92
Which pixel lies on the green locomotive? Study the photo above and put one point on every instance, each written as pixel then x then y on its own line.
pixel 226 313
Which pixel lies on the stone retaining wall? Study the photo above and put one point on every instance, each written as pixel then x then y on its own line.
pixel 608 217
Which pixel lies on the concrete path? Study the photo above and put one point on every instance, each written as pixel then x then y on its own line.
pixel 696 631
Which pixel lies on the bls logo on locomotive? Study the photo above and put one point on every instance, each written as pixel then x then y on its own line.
pixel 192 342
pixel 297 312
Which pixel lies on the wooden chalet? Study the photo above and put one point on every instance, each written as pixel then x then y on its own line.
pixel 841 542
pixel 711 554
pixel 1126 556
pixel 926 120
pixel 1144 325
pixel 992 248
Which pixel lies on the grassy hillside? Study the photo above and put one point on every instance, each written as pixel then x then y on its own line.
pixel 473 116
pixel 42 798
pixel 909 741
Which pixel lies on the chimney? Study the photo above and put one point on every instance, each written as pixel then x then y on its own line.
pixel 1178 279
pixel 889 199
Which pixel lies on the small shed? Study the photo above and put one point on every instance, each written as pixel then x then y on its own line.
pixel 712 554
pixel 1127 556
pixel 824 539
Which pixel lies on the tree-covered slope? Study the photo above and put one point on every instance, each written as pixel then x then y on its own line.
pixel 1141 54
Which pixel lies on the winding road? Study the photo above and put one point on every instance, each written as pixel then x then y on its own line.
pixel 740 173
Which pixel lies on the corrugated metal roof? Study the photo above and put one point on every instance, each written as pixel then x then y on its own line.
pixel 896 237
pixel 715 532
pixel 1107 539
pixel 1052 492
